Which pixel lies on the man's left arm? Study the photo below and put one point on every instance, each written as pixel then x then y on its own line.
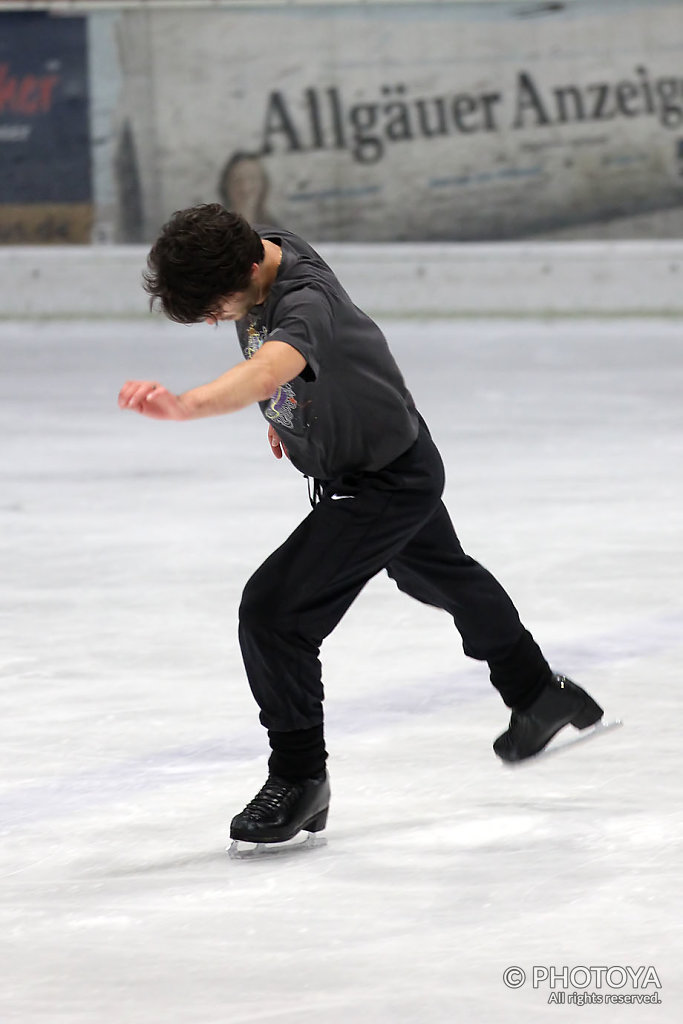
pixel 275 363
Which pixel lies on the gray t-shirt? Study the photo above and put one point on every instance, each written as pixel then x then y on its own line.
pixel 349 409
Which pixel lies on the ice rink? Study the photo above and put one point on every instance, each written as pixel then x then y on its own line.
pixel 129 736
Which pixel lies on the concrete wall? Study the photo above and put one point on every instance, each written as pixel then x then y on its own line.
pixel 549 278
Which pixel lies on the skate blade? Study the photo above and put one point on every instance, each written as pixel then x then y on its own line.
pixel 239 849
pixel 563 742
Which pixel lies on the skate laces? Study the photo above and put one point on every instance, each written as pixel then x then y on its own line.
pixel 272 795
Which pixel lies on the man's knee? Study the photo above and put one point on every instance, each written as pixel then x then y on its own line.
pixel 264 607
pixel 413 585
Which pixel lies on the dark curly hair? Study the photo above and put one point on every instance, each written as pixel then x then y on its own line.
pixel 201 256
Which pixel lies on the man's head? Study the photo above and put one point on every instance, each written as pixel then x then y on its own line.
pixel 204 256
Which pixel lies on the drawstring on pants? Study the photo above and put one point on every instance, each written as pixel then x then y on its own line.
pixel 315 490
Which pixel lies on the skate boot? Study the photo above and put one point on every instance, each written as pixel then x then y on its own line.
pixel 560 703
pixel 281 809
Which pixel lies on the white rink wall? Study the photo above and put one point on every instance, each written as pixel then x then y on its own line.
pixel 630 278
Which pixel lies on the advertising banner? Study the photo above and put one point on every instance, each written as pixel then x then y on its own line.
pixel 416 122
pixel 45 186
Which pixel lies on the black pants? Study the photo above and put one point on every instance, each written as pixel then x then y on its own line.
pixel 392 519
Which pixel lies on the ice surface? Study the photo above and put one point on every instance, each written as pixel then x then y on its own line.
pixel 129 737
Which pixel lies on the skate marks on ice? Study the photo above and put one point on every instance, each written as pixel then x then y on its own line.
pixel 561 742
pixel 303 842
pixel 78 792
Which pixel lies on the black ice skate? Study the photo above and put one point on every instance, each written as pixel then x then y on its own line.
pixel 281 810
pixel 562 702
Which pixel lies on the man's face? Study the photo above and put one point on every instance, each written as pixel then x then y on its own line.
pixel 237 305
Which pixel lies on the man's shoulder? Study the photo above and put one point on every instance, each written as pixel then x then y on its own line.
pixel 300 296
pixel 293 244
pixel 303 274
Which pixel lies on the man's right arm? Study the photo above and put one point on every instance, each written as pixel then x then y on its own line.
pixel 254 381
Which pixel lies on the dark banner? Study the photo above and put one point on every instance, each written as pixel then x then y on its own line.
pixel 45 176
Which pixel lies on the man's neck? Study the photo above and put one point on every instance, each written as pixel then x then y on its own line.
pixel 269 267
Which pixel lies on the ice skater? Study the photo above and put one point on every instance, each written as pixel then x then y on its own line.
pixel 337 406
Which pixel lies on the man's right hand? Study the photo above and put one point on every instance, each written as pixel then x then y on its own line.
pixel 276 444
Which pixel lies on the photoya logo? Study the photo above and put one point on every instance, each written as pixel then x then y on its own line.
pixel 569 984
pixel 321 118
pixel 595 977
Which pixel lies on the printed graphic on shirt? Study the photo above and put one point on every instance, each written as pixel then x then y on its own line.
pixel 283 401
pixel 282 406
pixel 255 338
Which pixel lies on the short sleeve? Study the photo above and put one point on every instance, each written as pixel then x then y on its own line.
pixel 303 319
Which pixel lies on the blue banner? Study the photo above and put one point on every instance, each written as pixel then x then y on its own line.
pixel 45 151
